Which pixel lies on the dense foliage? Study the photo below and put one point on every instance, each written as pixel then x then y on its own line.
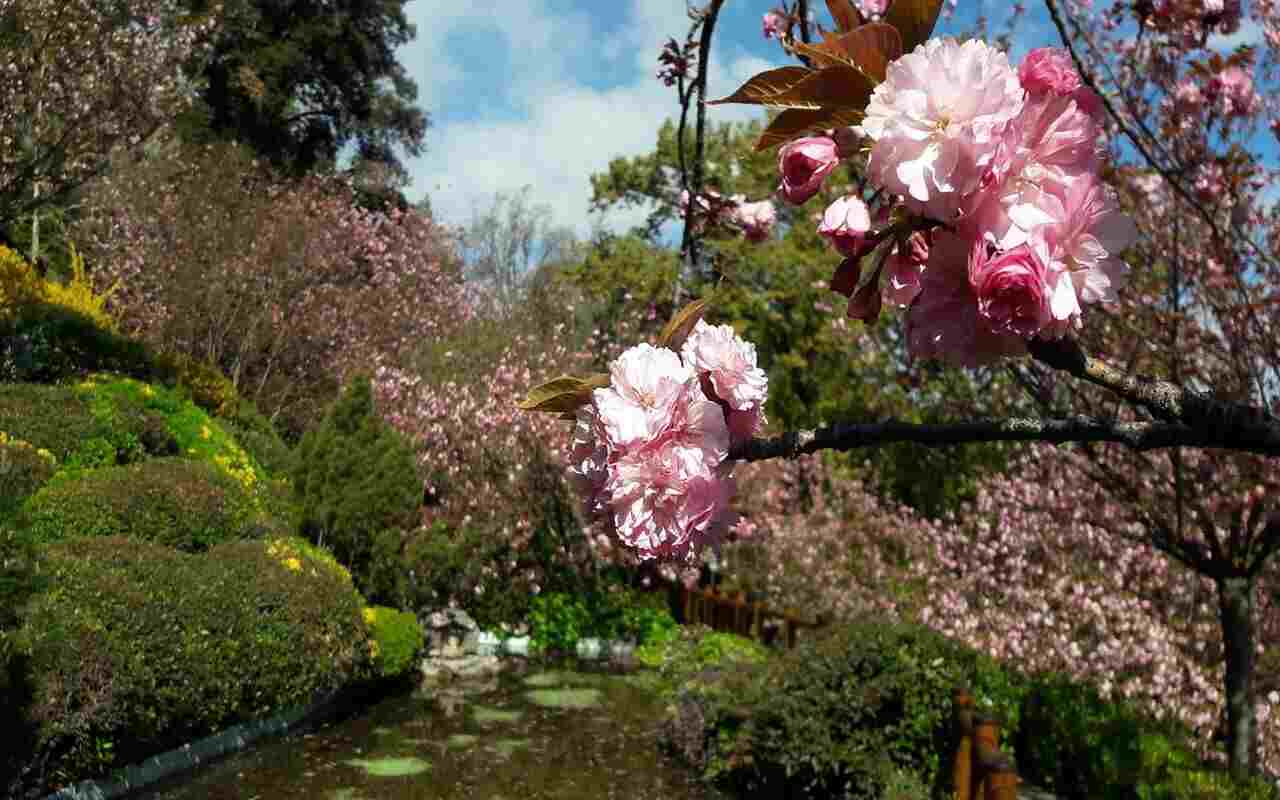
pixel 136 646
pixel 395 638
pixel 359 491
pixel 189 505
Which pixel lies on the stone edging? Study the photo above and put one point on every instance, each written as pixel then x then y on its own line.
pixel 234 739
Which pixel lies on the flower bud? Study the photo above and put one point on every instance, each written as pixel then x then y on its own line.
pixel 804 164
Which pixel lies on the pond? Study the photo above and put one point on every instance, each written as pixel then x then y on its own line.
pixel 554 735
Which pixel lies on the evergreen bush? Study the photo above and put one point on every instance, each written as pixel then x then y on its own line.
pixel 357 486
pixel 181 503
pixel 137 648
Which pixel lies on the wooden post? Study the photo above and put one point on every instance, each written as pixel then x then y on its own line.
pixel 962 767
pixel 986 743
pixel 791 631
pixel 1002 780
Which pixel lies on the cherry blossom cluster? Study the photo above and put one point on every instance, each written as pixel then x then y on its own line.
pixel 649 451
pixel 755 220
pixel 1002 229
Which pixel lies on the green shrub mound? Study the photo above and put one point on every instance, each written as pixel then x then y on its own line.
pixel 137 648
pixel 558 620
pixel 23 470
pixel 181 503
pixel 847 715
pixel 397 638
pixel 53 418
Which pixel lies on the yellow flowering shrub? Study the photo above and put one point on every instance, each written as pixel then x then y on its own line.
pixel 395 637
pixel 20 284
pixel 299 555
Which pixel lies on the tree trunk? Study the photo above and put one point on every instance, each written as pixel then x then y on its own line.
pixel 1235 606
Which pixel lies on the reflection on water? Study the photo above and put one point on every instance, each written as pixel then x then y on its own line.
pixel 552 735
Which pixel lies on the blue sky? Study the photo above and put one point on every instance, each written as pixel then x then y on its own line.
pixel 545 92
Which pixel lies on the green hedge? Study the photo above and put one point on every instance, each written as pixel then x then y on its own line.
pixel 186 504
pixel 23 470
pixel 397 638
pixel 136 648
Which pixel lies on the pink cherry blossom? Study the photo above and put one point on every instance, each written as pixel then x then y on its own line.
pixel 1048 70
pixel 804 164
pixel 774 24
pixel 729 363
pixel 1233 90
pixel 757 219
pixel 845 224
pixel 937 120
pixel 872 8
pixel 1010 287
pixel 646 385
pixel 904 270
pixel 944 321
pixel 666 502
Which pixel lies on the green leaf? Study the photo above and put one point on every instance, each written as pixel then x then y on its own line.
pixel 681 325
pixel 563 394
pixel 914 20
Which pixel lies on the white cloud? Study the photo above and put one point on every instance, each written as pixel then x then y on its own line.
pixel 545 127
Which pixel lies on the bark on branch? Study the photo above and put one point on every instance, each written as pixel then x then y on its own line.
pixel 1216 422
pixel 1136 435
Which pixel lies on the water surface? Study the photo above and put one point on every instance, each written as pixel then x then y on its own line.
pixel 552 735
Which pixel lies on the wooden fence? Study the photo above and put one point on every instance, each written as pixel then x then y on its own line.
pixel 735 614
pixel 980 771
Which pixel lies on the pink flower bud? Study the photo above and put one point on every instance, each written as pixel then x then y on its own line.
pixel 804 164
pixel 845 224
pixel 774 24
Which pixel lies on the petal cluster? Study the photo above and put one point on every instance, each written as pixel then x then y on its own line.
pixel 648 457
pixel 1003 229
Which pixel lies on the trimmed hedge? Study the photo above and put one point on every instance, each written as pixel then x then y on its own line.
pixel 136 648
pixel 396 639
pixel 23 470
pixel 189 505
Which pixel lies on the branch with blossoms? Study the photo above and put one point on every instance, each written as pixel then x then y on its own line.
pixel 992 231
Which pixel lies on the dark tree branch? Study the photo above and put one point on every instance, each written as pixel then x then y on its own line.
pixel 1137 435
pixel 1222 423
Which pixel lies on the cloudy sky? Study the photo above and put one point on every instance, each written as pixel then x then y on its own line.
pixel 545 92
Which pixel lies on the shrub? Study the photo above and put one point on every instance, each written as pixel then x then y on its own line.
pixel 396 637
pixel 557 620
pixel 1081 746
pixel 357 485
pixel 845 715
pixel 23 470
pixel 42 342
pixel 136 648
pixel 83 428
pixel 177 502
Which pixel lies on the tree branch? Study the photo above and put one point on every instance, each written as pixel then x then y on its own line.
pixel 1136 435
pixel 1220 423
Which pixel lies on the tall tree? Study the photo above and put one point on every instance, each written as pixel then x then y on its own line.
pixel 299 80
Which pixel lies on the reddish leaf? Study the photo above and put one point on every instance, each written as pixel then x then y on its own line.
pixel 914 20
pixel 872 47
pixel 761 87
pixel 795 121
pixel 845 279
pixel 843 12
